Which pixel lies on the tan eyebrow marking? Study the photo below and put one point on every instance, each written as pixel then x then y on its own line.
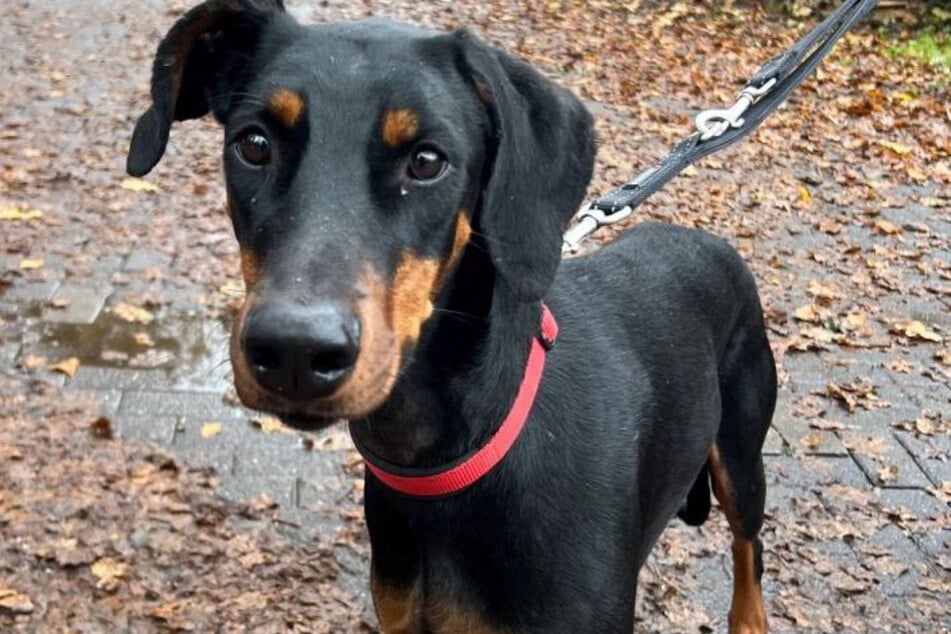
pixel 287 106
pixel 399 126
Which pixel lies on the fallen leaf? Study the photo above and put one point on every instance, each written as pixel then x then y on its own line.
pixel 888 473
pixel 823 292
pixel 210 430
pixel 139 185
pixel 804 196
pixel 132 313
pixel 108 571
pixel 269 425
pixel 32 362
pixel 31 264
pixel 143 339
pixel 15 602
pixel 15 213
pixel 924 426
pixel 102 428
pixel 842 396
pixel 944 356
pixel 886 228
pixel 67 366
pixel 808 313
pixel 916 330
pixel 897 148
pixel 900 366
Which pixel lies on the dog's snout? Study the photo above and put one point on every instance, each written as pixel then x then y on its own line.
pixel 301 351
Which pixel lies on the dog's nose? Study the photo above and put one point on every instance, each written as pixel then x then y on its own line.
pixel 301 351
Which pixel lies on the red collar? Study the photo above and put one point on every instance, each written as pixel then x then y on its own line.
pixel 452 479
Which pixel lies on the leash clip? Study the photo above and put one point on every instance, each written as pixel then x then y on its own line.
pixel 712 123
pixel 590 218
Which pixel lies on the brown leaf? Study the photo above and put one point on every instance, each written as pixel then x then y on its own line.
pixel 15 602
pixel 109 572
pixel 886 228
pixel 69 367
pixel 102 428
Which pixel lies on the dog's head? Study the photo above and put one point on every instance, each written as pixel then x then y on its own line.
pixel 363 161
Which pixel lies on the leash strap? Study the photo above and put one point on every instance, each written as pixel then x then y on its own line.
pixel 716 129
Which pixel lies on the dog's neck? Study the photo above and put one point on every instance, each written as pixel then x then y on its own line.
pixel 458 387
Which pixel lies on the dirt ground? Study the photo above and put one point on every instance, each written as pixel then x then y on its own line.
pixel 841 204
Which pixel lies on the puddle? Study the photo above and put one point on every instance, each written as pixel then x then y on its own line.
pixel 191 351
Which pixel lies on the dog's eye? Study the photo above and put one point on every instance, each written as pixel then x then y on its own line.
pixel 427 164
pixel 254 148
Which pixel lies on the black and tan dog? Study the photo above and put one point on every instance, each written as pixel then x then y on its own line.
pixel 399 196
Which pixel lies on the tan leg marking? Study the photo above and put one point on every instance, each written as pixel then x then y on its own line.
pixel 747 613
pixel 287 107
pixel 399 126
pixel 397 609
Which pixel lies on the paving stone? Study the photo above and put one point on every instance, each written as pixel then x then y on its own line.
pixel 933 454
pixel 934 540
pixel 805 473
pixel 193 404
pixel 909 475
pixel 157 429
pixel 879 421
pixel 141 259
pixel 83 304
pixel 105 378
pixel 774 445
pixel 108 400
pixel 903 550
pixel 31 291
pixel 794 430
pixel 8 354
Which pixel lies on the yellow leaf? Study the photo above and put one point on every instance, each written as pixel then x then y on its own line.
pixel 804 196
pixel 139 185
pixel 31 264
pixel 807 313
pixel 211 430
pixel 270 425
pixel 14 213
pixel 143 339
pixel 897 148
pixel 67 367
pixel 132 313
pixel 917 330
pixel 916 174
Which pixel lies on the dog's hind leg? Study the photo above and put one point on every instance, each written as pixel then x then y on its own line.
pixel 748 393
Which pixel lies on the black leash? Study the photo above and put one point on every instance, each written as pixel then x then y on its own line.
pixel 716 129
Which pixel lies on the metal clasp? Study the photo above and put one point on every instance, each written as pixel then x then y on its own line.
pixel 713 123
pixel 589 219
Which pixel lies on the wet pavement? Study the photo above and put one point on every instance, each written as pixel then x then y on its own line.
pixel 137 287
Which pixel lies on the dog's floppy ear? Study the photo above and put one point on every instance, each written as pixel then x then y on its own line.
pixel 543 146
pixel 199 56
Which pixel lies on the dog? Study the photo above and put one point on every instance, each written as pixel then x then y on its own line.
pixel 399 197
